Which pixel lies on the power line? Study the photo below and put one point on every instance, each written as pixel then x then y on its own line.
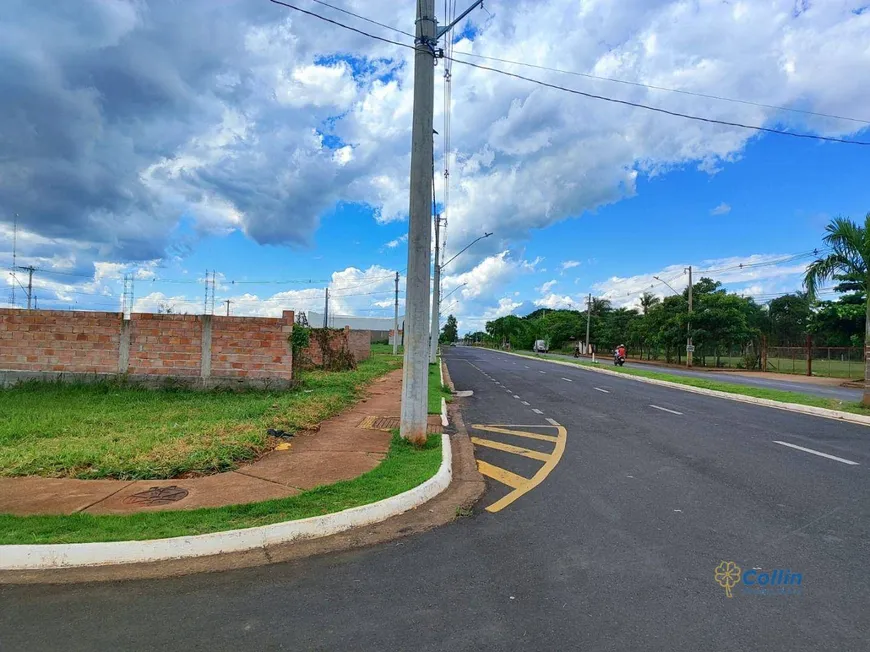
pixel 669 90
pixel 368 20
pixel 676 114
pixel 338 24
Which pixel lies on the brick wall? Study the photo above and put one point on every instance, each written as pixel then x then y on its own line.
pixel 252 348
pixel 54 340
pixel 206 348
pixel 165 345
pixel 360 344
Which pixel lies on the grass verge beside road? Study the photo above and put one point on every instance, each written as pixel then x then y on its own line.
pixel 437 391
pixel 781 396
pixel 404 468
pixel 109 430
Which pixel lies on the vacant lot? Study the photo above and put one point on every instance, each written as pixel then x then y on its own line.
pixel 114 431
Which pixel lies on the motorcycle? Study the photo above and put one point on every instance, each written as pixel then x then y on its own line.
pixel 618 360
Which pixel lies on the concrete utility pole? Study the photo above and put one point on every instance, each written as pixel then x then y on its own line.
pixel 326 310
pixel 436 298
pixel 690 349
pixel 415 378
pixel 415 382
pixel 396 320
pixel 29 271
pixel 228 302
pixel 588 320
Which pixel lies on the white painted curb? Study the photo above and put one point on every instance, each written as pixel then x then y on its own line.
pixel 444 421
pixel 825 413
pixel 34 557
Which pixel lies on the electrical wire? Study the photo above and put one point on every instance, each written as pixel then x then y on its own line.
pixel 669 90
pixel 656 109
pixel 338 24
pixel 368 20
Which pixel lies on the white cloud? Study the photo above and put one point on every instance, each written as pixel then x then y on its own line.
pixel 392 244
pixel 733 272
pixel 721 209
pixel 556 302
pixel 546 287
pixel 568 264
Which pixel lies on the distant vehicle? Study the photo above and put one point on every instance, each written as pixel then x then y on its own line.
pixel 541 346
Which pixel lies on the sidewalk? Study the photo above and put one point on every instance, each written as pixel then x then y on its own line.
pixel 343 448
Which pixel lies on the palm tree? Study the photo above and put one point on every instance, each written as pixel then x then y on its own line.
pixel 849 256
pixel 647 301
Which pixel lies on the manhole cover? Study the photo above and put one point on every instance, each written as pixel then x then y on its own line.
pixel 157 496
pixel 388 424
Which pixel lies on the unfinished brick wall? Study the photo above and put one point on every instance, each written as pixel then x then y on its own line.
pixel 252 348
pixel 357 342
pixel 360 344
pixel 50 340
pixel 165 345
pixel 205 348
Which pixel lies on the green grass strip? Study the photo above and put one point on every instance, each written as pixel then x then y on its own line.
pixel 404 468
pixel 437 391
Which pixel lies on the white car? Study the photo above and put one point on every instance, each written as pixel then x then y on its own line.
pixel 541 346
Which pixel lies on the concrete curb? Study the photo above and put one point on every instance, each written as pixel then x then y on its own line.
pixel 444 420
pixel 825 413
pixel 73 555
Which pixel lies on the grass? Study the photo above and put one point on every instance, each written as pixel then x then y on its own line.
pixel 404 468
pixel 732 388
pixel 109 430
pixel 386 349
pixel 437 391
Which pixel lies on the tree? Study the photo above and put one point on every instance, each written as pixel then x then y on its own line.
pixel 849 257
pixel 647 301
pixel 450 332
pixel 789 319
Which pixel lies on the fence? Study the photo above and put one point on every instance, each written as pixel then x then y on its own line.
pixel 825 361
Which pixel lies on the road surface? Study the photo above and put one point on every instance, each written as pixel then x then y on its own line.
pixel 616 548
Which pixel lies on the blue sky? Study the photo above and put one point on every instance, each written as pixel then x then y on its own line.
pixel 258 144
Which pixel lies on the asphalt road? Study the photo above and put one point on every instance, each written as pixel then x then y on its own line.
pixel 838 393
pixel 615 550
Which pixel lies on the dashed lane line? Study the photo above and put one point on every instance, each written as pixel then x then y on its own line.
pixel 526 403
pixel 568 379
pixel 665 409
pixel 598 389
pixel 814 452
pixel 536 411
pixel 552 422
pixel 516 397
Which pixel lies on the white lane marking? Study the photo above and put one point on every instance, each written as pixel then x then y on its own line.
pixel 568 379
pixel 598 389
pixel 542 372
pixel 526 403
pixel 665 409
pixel 527 366
pixel 516 397
pixel 536 410
pixel 553 422
pixel 820 454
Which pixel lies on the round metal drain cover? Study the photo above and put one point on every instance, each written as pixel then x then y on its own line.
pixel 157 496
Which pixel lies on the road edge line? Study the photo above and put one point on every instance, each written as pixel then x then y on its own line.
pixel 825 413
pixel 29 557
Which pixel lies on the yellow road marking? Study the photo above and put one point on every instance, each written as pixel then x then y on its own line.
pixel 519 433
pixel 505 477
pixel 520 485
pixel 507 448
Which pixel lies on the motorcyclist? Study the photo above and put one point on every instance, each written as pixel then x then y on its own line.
pixel 620 352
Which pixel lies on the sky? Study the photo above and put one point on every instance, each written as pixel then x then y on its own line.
pixel 165 141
